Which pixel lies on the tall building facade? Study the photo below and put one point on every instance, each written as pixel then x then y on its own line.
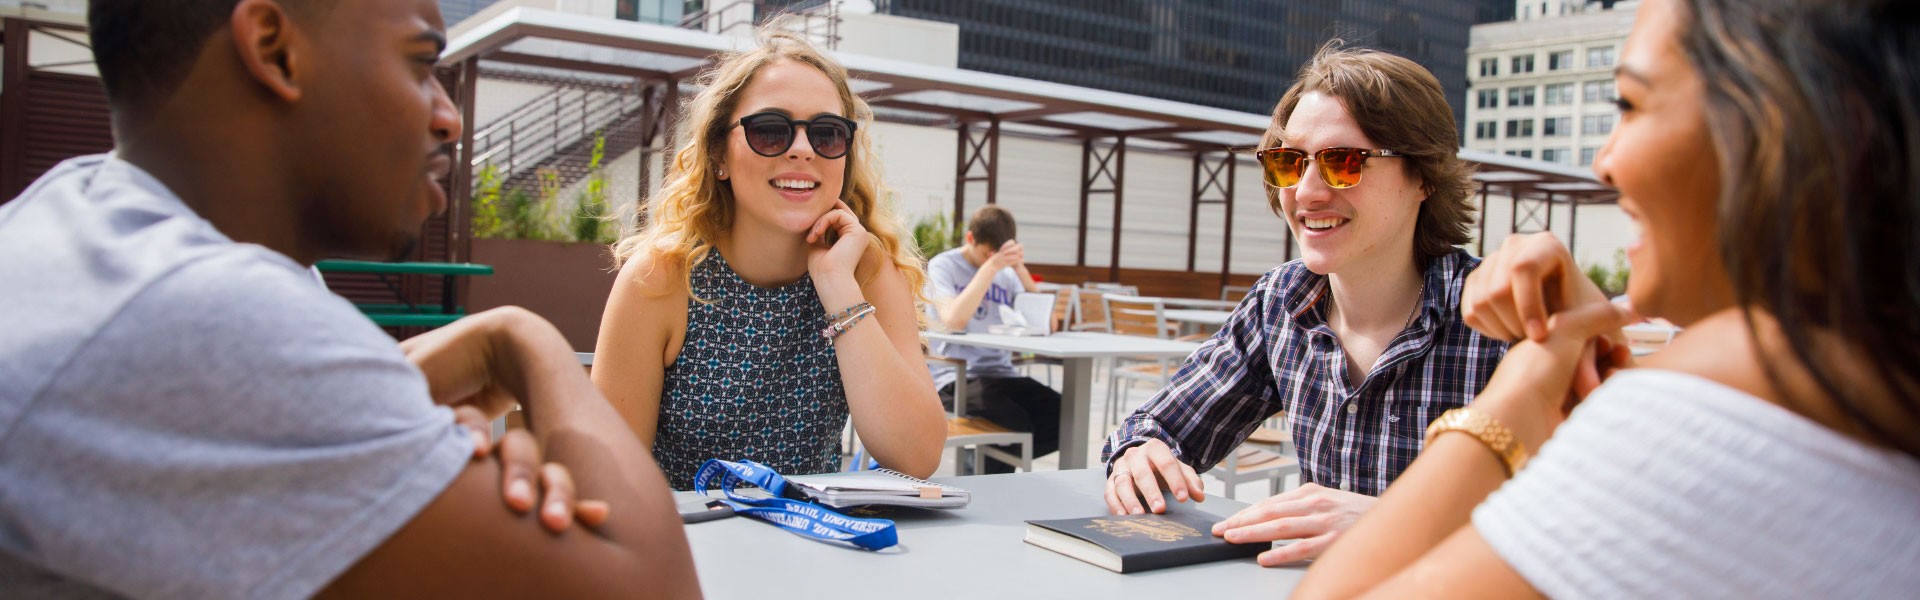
pixel 1232 54
pixel 455 11
pixel 1542 87
pixel 663 12
pixel 1494 11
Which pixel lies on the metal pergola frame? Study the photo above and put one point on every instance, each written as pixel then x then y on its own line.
pixel 979 107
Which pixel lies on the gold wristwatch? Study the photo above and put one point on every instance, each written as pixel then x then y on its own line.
pixel 1496 437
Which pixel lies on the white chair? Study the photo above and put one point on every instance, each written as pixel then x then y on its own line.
pixel 1090 311
pixel 1131 315
pixel 1267 454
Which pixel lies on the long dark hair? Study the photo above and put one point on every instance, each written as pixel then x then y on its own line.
pixel 1814 109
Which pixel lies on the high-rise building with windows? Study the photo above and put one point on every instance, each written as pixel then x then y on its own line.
pixel 663 12
pixel 1541 87
pixel 455 11
pixel 1494 11
pixel 1233 54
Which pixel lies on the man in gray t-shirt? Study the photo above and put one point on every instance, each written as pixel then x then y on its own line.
pixel 970 285
pixel 186 413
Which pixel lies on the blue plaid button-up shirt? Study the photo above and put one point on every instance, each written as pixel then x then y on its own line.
pixel 1277 353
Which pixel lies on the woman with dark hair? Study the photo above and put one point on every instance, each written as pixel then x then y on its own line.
pixel 1768 150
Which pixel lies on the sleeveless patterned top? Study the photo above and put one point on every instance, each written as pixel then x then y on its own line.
pixel 754 380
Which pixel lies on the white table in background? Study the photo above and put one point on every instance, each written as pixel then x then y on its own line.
pixel 1076 351
pixel 1200 303
pixel 973 552
pixel 1209 318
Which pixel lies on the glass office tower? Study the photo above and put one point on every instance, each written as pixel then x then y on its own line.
pixel 1234 54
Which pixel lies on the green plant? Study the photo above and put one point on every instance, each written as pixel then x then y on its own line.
pixel 934 235
pixel 520 209
pixel 591 222
pixel 518 214
pixel 1611 279
pixel 486 204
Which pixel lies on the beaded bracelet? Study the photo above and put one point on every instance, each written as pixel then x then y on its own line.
pixel 849 311
pixel 834 330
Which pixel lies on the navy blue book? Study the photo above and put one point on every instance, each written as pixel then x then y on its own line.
pixel 1134 543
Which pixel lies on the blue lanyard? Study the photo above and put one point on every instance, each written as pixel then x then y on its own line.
pixel 801 518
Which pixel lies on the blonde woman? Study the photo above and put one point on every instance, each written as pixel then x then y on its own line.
pixel 768 294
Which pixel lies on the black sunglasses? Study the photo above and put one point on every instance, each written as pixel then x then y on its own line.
pixel 771 134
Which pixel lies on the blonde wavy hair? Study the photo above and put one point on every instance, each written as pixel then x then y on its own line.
pixel 694 208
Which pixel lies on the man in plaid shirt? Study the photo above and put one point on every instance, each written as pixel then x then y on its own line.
pixel 1360 341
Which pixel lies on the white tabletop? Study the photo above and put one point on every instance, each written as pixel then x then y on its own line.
pixel 972 552
pixel 1200 303
pixel 1071 344
pixel 1198 317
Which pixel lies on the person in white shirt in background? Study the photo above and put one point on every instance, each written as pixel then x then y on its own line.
pixel 970 286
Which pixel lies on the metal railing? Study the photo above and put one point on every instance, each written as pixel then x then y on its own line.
pixel 545 128
pixel 817 20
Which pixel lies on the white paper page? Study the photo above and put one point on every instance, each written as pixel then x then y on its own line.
pixel 1037 309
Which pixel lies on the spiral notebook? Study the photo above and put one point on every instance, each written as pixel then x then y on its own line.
pixel 879 486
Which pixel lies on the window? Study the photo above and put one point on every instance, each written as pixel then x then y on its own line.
pixel 1521 64
pixel 1556 126
pixel 1486 130
pixel 1560 60
pixel 1489 67
pixel 1596 124
pixel 663 12
pixel 1520 153
pixel 1601 57
pixel 1489 98
pixel 1587 154
pixel 1559 94
pixel 1556 155
pixel 1520 96
pixel 1520 128
pixel 1597 91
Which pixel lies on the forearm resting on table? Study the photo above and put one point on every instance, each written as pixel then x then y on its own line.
pixel 467 543
pixel 579 429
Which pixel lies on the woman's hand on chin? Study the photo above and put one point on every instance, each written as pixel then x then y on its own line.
pixel 840 256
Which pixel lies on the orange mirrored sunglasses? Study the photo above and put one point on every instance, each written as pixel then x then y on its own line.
pixel 1339 167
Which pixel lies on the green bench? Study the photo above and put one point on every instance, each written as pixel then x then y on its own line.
pixel 404 313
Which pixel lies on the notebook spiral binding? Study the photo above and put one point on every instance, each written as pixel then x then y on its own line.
pixel 912 478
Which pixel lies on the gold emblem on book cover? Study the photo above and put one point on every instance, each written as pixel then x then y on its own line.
pixel 1156 529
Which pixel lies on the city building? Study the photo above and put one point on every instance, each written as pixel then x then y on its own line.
pixel 1493 11
pixel 1541 87
pixel 1233 54
pixel 552 107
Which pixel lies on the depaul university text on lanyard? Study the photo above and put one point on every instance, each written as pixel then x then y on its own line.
pixel 802 518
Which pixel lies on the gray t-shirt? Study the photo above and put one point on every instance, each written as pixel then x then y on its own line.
pixel 948 273
pixel 183 416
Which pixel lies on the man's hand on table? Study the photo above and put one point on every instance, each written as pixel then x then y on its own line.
pixel 1312 514
pixel 1143 472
